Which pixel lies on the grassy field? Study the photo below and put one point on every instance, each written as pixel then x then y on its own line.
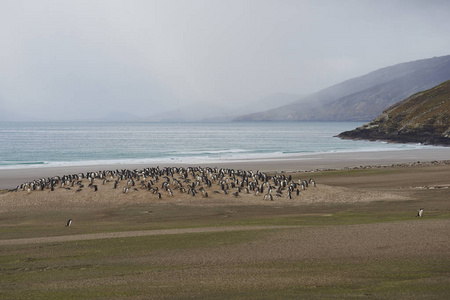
pixel 122 268
pixel 369 249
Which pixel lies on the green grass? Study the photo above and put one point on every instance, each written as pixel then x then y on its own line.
pixel 354 172
pixel 51 224
pixel 63 263
pixel 130 268
pixel 343 218
pixel 101 269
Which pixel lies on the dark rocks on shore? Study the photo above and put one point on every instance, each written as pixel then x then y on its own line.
pixel 414 136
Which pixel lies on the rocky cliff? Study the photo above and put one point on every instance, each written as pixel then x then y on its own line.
pixel 421 118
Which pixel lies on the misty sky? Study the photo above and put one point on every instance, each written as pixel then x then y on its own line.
pixel 71 60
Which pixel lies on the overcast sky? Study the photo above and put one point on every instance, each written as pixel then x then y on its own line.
pixel 81 59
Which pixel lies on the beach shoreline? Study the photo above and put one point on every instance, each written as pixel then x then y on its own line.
pixel 10 178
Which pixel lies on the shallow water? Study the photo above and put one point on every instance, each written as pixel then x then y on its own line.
pixel 67 144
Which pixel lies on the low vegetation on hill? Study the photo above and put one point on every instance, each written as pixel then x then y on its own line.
pixel 422 118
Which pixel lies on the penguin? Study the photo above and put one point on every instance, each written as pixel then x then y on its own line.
pixel 69 222
pixel 420 212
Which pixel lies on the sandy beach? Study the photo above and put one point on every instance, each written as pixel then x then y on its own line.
pixel 10 178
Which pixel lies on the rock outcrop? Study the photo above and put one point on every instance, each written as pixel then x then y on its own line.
pixel 421 118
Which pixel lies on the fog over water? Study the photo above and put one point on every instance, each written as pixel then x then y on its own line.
pixel 88 60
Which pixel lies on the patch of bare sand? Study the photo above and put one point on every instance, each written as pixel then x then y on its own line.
pixel 415 238
pixel 125 234
pixel 63 198
pixel 265 258
pixel 410 239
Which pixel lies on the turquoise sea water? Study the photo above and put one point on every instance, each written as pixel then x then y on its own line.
pixel 64 144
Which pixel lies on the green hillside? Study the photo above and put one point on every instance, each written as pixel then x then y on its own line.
pixel 422 118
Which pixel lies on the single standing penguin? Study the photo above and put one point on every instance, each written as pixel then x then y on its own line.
pixel 420 212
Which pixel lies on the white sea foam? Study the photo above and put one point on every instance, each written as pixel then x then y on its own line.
pixel 188 159
pixel 31 145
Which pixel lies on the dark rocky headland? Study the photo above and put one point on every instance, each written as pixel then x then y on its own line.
pixel 421 118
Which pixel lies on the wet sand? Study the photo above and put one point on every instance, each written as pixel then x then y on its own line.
pixel 10 178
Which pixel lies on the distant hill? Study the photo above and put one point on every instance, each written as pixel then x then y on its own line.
pixel 220 112
pixel 421 118
pixel 362 98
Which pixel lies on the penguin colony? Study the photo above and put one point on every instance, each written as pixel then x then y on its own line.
pixel 165 182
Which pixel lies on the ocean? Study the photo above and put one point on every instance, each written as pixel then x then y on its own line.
pixel 25 145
